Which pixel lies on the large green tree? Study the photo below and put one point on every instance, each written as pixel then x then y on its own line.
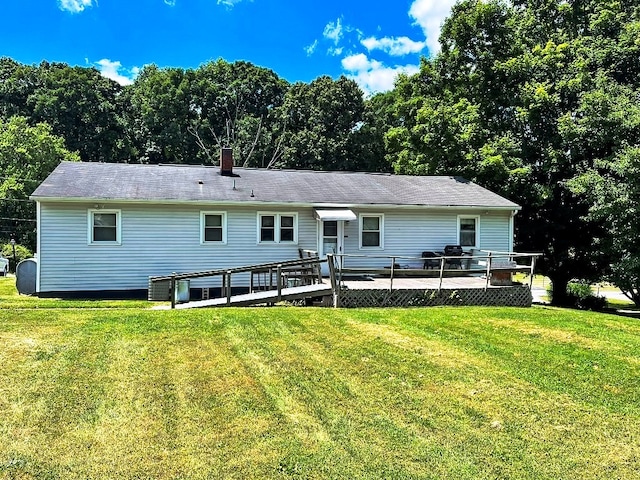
pixel 186 116
pixel 28 154
pixel 160 110
pixel 609 117
pixel 237 107
pixel 323 122
pixel 503 104
pixel 78 103
pixel 17 83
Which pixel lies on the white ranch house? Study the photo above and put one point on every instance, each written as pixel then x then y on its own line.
pixel 106 228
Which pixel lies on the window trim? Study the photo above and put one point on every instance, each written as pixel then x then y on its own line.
pixel 361 218
pixel 203 214
pixel 90 225
pixel 277 228
pixel 477 232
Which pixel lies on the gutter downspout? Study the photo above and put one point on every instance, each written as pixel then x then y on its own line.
pixel 511 230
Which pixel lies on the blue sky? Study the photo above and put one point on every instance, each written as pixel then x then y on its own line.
pixel 369 41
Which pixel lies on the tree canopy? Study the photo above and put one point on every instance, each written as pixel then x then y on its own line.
pixel 513 101
pixel 28 154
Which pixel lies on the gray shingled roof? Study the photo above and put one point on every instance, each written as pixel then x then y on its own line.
pixel 167 183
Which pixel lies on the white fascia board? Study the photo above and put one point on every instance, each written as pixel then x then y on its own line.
pixel 510 208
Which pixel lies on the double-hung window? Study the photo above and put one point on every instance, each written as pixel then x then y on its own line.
pixel 468 227
pixel 372 231
pixel 104 227
pixel 277 228
pixel 213 227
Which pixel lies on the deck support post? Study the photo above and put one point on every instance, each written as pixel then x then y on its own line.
pixel 318 269
pixel 533 263
pixel 442 262
pixel 486 285
pixel 393 264
pixel 227 281
pixel 173 290
pixel 335 289
pixel 279 281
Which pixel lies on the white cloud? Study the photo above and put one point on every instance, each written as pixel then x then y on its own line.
pixel 335 51
pixel 353 63
pixel 171 3
pixel 394 46
pixel 333 31
pixel 373 76
pixel 429 15
pixel 311 48
pixel 74 6
pixel 228 3
pixel 112 70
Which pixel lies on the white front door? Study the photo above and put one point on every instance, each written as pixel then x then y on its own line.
pixel 331 240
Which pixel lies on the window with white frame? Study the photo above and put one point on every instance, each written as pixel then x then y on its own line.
pixel 104 227
pixel 213 227
pixel 371 231
pixel 277 228
pixel 468 231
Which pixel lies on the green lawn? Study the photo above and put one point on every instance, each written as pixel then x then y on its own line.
pixel 126 392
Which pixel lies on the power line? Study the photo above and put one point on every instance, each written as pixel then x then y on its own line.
pixel 17 219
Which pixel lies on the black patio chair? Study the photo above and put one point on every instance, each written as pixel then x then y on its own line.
pixel 430 260
pixel 453 251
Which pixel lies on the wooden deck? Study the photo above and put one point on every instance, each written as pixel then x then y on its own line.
pixel 259 298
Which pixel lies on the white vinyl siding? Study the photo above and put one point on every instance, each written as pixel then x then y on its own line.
pixel 156 240
pixel 161 239
pixel 409 232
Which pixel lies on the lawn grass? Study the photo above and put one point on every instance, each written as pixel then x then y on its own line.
pixel 9 299
pixel 317 393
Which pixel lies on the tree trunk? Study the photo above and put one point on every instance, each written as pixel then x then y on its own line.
pixel 635 297
pixel 559 296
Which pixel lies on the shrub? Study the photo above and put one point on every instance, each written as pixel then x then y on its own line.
pixel 583 298
pixel 22 253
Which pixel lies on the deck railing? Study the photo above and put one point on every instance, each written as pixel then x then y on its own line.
pixel 486 262
pixel 270 276
pixel 306 270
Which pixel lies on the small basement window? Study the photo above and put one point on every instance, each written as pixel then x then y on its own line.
pixel 104 227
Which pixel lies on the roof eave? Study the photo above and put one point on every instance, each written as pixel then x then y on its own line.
pixel 511 207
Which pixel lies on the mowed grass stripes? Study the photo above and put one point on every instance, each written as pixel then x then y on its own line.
pixel 318 393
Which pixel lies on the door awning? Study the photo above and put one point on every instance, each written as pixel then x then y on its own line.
pixel 344 214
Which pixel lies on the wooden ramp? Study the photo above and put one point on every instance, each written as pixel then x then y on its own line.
pixel 257 298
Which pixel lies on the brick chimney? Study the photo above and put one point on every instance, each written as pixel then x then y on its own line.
pixel 226 162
